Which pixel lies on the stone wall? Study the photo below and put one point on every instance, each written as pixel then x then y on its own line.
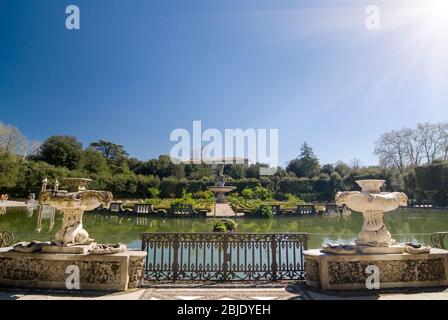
pixel 96 272
pixel 342 272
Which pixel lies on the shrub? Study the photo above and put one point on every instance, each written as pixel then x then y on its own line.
pixel 153 201
pixel 433 180
pixel 230 224
pixel 293 200
pixel 225 225
pixel 168 187
pixel 186 198
pixel 153 192
pixel 248 193
pixel 206 195
pixel 262 193
pixel 265 211
pixel 220 227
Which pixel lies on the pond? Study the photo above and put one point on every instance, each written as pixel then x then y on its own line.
pixel 404 224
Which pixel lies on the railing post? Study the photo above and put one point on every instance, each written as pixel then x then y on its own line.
pixel 274 265
pixel 305 243
pixel 143 239
pixel 226 257
pixel 175 257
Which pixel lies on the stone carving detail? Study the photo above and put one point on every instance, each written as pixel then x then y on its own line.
pixel 104 272
pixel 343 272
pixel 312 270
pixel 32 246
pixel 6 238
pixel 106 248
pixel 135 272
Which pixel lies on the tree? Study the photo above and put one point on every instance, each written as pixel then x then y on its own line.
pixel 327 168
pixel 391 150
pixel 62 151
pixel 306 165
pixel 9 171
pixel 12 141
pixel 413 147
pixel 93 162
pixel 114 153
pixel 444 133
pixel 355 163
pixel 342 168
pixel 430 137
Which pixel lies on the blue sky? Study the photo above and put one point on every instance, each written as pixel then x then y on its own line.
pixel 138 69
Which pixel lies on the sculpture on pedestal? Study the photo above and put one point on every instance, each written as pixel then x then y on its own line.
pixel 73 203
pixel 44 264
pixel 219 188
pixel 372 203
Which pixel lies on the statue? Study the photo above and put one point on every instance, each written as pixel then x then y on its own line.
pixel 73 203
pixel 372 203
pixel 219 188
pixel 220 177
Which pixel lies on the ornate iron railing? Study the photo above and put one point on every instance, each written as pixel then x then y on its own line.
pixel 6 238
pixel 438 239
pixel 224 256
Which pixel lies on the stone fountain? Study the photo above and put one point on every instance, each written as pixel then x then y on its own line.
pixel 372 203
pixel 45 264
pixel 341 267
pixel 72 237
pixel 220 189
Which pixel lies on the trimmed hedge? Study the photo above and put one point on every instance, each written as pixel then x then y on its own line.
pixel 433 180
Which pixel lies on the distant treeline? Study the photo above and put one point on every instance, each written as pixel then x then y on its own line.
pixel 111 168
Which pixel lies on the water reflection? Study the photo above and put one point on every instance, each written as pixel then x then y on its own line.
pixel 405 225
pixel 45 212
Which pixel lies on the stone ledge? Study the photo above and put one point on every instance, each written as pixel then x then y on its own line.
pixel 111 272
pixel 347 272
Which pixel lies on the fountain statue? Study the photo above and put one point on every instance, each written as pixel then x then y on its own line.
pixel 373 203
pixel 219 188
pixel 73 203
pixel 44 264
pixel 344 266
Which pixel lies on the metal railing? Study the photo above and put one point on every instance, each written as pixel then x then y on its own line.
pixel 224 256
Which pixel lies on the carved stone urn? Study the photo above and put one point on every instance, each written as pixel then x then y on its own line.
pixel 73 202
pixel 372 203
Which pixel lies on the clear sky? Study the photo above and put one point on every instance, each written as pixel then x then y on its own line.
pixel 138 69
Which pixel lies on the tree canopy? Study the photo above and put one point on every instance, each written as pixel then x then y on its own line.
pixel 111 151
pixel 306 164
pixel 62 151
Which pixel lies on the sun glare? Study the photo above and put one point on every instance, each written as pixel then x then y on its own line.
pixel 439 12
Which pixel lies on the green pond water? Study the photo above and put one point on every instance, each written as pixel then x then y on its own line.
pixel 414 225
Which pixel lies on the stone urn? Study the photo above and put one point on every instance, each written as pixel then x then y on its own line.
pixel 73 202
pixel 372 203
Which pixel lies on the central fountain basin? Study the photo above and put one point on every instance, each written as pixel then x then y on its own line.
pixel 220 192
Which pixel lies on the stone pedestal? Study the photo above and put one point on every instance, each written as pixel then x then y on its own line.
pixel 348 272
pixel 220 197
pixel 110 272
pixel 78 249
